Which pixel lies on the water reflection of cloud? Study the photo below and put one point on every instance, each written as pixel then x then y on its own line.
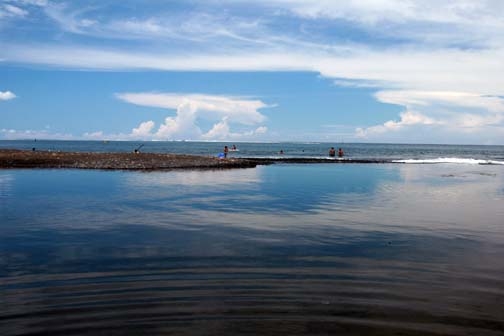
pixel 441 172
pixel 6 180
pixel 427 199
pixel 439 200
pixel 214 178
pixel 423 201
pixel 388 198
pixel 272 189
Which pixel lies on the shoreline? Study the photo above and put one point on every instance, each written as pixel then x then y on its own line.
pixel 25 159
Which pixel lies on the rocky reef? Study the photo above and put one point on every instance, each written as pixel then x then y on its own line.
pixel 128 161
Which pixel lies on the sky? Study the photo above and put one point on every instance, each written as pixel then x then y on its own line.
pixel 265 70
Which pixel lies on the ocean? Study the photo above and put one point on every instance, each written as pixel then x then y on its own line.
pixel 285 249
pixel 360 151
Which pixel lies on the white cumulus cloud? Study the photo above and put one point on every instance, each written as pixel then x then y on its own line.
pixel 143 129
pixel 448 113
pixel 408 118
pixel 98 135
pixel 192 109
pixel 7 95
pixel 221 131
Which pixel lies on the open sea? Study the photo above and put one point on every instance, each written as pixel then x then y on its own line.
pixel 358 151
pixel 397 248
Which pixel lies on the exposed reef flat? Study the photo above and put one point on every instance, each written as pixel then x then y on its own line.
pixel 128 161
pixel 12 158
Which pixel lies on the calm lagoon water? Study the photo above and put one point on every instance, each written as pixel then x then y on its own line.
pixel 284 249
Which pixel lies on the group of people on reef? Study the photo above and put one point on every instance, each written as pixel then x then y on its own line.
pixel 332 152
pixel 226 150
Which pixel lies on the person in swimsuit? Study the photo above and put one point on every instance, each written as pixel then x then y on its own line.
pixel 332 152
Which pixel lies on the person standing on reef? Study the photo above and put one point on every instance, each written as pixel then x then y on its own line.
pixel 226 150
pixel 332 152
pixel 340 152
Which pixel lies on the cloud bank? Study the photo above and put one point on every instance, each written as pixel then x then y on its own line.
pixel 12 134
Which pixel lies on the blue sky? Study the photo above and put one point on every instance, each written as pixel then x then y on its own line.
pixel 276 70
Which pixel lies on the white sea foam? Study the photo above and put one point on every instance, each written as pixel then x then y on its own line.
pixel 451 160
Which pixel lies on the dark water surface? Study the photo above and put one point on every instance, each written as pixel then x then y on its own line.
pixel 283 249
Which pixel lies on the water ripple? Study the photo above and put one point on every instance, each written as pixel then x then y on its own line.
pixel 335 294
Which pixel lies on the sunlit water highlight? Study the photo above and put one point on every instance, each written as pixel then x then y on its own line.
pixel 283 249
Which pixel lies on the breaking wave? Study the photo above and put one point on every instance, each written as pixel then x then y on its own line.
pixel 451 160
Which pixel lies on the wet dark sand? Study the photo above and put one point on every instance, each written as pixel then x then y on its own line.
pixel 11 158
